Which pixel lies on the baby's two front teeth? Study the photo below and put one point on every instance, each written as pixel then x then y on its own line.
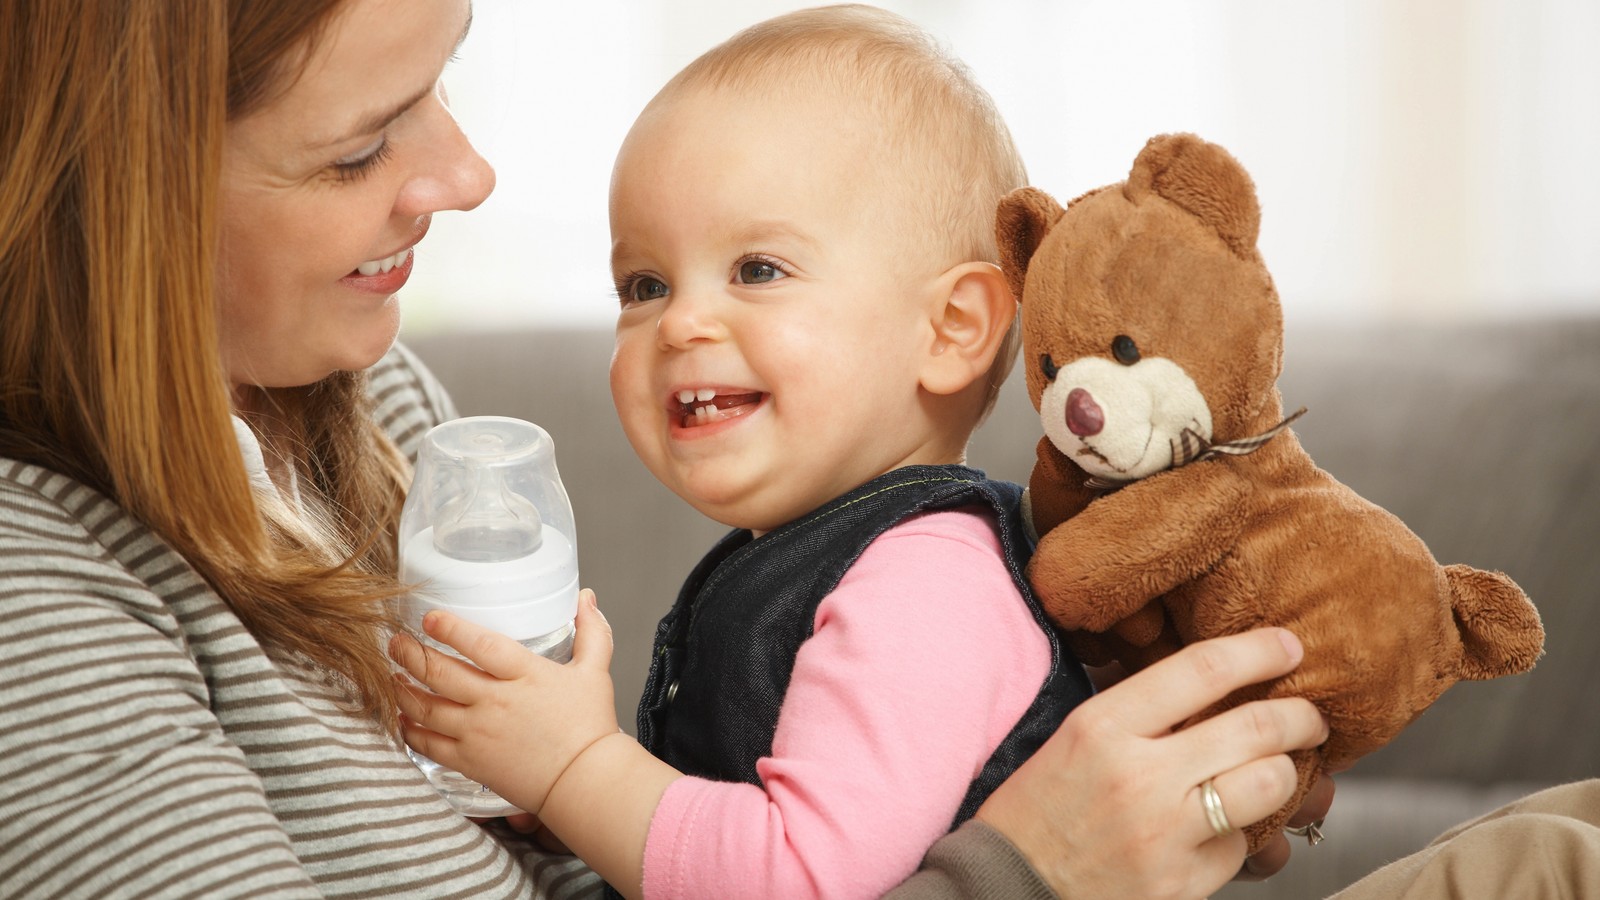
pixel 702 395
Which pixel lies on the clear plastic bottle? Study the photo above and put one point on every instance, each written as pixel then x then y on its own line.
pixel 487 533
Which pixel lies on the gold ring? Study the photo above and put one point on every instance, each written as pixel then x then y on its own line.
pixel 1312 833
pixel 1212 801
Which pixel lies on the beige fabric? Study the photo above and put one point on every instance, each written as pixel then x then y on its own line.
pixel 1546 845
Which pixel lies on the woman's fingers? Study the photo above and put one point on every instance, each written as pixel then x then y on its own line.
pixel 1246 794
pixel 1266 862
pixel 1271 859
pixel 1319 800
pixel 592 644
pixel 522 822
pixel 1251 731
pixel 1170 691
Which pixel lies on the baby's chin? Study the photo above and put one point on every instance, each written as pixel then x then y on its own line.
pixel 736 509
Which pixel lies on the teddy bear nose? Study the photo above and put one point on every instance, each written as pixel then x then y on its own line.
pixel 1084 416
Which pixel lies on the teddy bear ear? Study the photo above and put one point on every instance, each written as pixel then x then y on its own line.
pixel 1205 181
pixel 1021 222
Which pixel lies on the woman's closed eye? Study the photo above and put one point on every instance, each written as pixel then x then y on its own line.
pixel 362 163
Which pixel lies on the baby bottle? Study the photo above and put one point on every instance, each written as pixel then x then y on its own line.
pixel 487 533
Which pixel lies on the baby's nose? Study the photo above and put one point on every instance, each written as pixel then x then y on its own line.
pixel 1084 416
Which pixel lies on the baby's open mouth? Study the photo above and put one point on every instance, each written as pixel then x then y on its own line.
pixel 704 406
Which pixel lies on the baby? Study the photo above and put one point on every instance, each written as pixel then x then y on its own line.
pixel 812 325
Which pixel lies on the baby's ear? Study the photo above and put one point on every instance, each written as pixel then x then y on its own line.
pixel 969 327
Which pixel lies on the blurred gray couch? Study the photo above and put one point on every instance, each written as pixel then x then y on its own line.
pixel 1483 437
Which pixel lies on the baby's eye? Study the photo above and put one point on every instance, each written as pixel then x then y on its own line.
pixel 759 271
pixel 641 289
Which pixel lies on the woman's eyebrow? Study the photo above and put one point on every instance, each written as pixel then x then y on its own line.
pixel 379 120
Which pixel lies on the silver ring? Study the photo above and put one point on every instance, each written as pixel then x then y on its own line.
pixel 1212 801
pixel 1312 833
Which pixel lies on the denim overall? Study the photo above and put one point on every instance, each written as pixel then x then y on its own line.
pixel 724 653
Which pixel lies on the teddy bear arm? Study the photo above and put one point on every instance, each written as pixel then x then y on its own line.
pixel 1076 587
pixel 1099 567
pixel 1055 488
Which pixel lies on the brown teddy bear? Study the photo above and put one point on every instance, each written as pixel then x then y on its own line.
pixel 1173 502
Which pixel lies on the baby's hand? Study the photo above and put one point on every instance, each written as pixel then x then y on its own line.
pixel 517 720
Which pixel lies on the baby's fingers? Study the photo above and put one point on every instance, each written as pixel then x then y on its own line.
pixel 431 711
pixel 438 671
pixel 592 646
pixel 435 746
pixel 493 652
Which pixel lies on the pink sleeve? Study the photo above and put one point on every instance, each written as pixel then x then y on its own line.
pixel 922 660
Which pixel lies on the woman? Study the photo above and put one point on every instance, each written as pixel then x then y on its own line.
pixel 191 683
pixel 206 209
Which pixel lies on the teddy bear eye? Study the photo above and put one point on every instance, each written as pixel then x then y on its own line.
pixel 1124 350
pixel 1048 366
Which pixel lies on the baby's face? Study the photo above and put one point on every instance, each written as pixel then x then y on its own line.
pixel 773 311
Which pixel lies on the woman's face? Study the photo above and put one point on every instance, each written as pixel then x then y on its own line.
pixel 327 189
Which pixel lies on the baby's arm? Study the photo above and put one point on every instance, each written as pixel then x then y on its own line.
pixel 541 734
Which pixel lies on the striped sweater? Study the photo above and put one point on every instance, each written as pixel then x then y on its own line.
pixel 150 748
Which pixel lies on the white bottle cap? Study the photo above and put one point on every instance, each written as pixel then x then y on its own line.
pixel 521 598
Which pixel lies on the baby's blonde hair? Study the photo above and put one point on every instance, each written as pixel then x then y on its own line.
pixel 952 149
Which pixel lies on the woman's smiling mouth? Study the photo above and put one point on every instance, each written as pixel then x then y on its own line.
pixel 705 406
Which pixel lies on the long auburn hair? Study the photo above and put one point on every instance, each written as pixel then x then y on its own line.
pixel 112 120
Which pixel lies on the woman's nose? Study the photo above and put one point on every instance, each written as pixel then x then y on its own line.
pixel 451 175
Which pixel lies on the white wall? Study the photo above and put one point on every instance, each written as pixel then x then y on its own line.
pixel 1414 157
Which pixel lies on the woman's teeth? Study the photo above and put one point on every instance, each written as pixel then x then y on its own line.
pixel 375 266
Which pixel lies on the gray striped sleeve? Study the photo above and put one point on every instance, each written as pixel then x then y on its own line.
pixel 116 779
pixel 150 748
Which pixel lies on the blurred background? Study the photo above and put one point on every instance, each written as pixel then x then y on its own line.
pixel 1414 158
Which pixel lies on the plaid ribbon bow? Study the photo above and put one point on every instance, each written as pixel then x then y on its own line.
pixel 1191 447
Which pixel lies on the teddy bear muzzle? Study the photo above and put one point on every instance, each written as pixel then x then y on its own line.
pixel 1120 421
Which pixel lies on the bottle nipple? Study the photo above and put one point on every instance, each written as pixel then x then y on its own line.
pixel 486 521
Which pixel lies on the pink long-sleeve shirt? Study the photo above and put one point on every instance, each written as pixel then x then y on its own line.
pixel 922 660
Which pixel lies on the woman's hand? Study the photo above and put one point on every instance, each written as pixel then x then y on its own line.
pixel 516 721
pixel 528 824
pixel 1111 805
pixel 1271 859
